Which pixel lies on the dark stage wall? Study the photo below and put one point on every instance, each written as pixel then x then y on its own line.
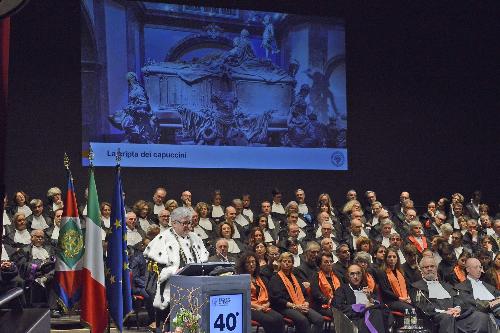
pixel 423 89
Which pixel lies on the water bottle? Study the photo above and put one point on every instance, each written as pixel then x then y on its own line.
pixel 414 319
pixel 407 319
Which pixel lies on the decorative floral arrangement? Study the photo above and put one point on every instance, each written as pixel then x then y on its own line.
pixel 188 321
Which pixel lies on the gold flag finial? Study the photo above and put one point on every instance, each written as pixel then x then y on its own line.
pixel 66 161
pixel 91 156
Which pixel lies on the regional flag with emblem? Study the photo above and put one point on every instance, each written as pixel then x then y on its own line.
pixel 118 285
pixel 70 252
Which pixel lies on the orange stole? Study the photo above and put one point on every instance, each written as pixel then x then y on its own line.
pixel 397 282
pixel 294 290
pixel 370 281
pixel 262 297
pixel 459 273
pixel 325 287
pixel 498 280
pixel 414 241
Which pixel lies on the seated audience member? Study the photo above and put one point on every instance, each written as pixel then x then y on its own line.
pixel 8 273
pixel 486 223
pixel 456 243
pixel 300 197
pixel 325 205
pixel 20 235
pixel 227 230
pixel 386 228
pixel 473 235
pixel 378 255
pixel 462 222
pixel 273 254
pixel 373 221
pixel 323 285
pixel 221 252
pixel 428 218
pixel 171 204
pixel 308 267
pixel 393 285
pixel 270 236
pixel 152 232
pixel 137 265
pixel 459 272
pixel 489 244
pixel 362 259
pixel 364 244
pixel 435 225
pixel 476 294
pixel 54 201
pixel 441 303
pixel 7 216
pixel 158 204
pixel 204 221
pixel 242 220
pixel 446 231
pixel 397 242
pixel 195 227
pixel 20 204
pixel 496 229
pixel 293 232
pixel 328 245
pixel 53 232
pixel 344 256
pixel 247 211
pixel 472 207
pixel 398 209
pixel 238 232
pixel 325 229
pixel 164 220
pixel 287 297
pixel 416 237
pixel 277 209
pixel 292 245
pixel 447 264
pixel 255 235
pixel 492 275
pixel 134 234
pixel 141 210
pixel 217 210
pixel 410 268
pixel 292 217
pixel 410 214
pixel 435 244
pixel 261 310
pixel 187 199
pixel 443 206
pixel 355 232
pixel 456 214
pixel 38 219
pixel 272 223
pixel 485 258
pixel 260 250
pixel 105 209
pixel 355 300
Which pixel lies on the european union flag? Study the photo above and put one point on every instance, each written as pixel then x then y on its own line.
pixel 117 271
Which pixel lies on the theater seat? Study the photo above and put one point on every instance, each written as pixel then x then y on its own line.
pixel 288 323
pixel 256 324
pixel 327 324
pixel 342 323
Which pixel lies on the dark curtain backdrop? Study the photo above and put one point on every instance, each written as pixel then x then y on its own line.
pixel 423 106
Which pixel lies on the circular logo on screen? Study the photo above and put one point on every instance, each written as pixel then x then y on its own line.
pixel 8 7
pixel 337 159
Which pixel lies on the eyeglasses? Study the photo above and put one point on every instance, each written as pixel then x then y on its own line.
pixel 184 223
pixel 355 273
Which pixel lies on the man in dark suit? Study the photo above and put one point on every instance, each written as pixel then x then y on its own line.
pixel 221 252
pixel 158 204
pixel 398 208
pixel 308 267
pixel 441 303
pixel 473 206
pixel 477 294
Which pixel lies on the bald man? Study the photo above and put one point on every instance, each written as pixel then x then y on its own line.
pixel 441 303
pixel 475 293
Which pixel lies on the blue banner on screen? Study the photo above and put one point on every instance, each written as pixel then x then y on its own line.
pixel 199 87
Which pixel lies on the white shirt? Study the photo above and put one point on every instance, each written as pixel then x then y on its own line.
pixel 162 228
pixel 233 247
pixel 241 220
pixel 402 259
pixel 158 208
pixel 301 223
pixel 236 233
pixel 303 208
pixel 39 253
pixel 6 220
pixel 106 222
pixel 270 222
pixel 200 232
pixel 296 260
pixel 217 211
pixel 56 207
pixel 144 224
pixel 385 241
pixel 133 237
pixel 456 225
pixel 25 210
pixel 22 237
pixel 479 290
pixel 301 235
pixel 277 208
pixel 205 223
pixel 267 237
pixel 249 213
pixel 375 221
pixel 39 223
pixel 5 256
pixel 436 290
pixel 55 232
pixel 84 212
pixel 458 251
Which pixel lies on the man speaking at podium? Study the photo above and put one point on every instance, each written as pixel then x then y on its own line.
pixel 170 251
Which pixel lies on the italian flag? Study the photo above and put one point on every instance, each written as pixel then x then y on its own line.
pixel 94 310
